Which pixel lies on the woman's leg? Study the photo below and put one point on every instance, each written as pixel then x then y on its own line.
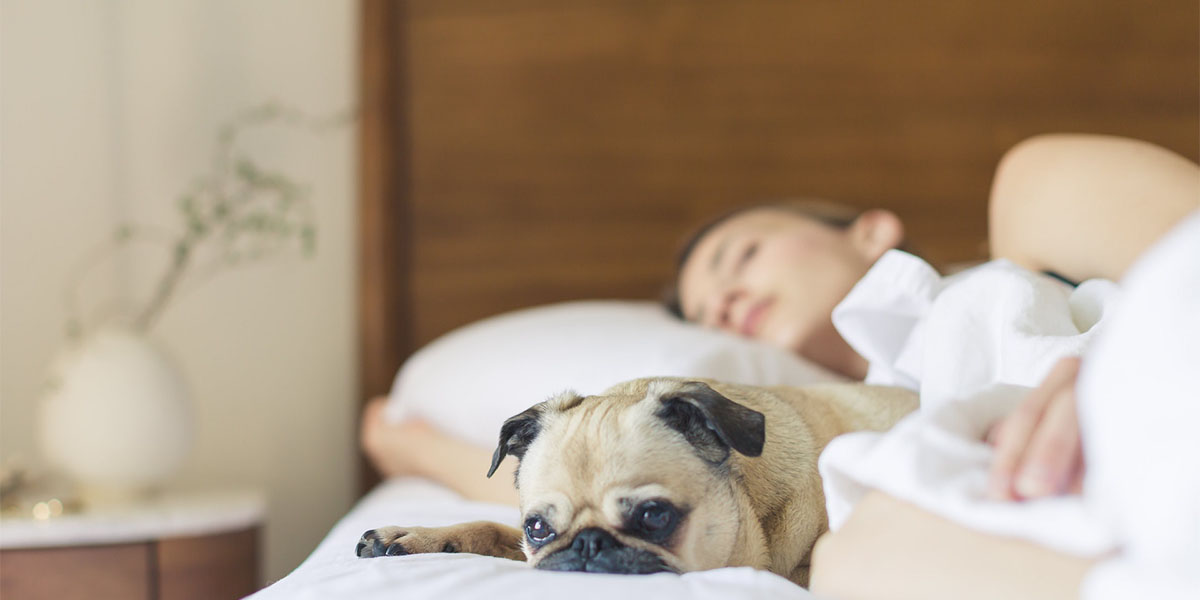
pixel 890 549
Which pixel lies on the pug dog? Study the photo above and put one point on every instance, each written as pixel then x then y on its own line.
pixel 665 475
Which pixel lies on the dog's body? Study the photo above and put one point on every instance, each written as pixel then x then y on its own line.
pixel 666 475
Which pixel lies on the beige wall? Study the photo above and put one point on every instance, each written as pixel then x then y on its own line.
pixel 107 111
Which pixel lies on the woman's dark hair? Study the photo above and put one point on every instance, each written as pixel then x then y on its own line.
pixel 831 214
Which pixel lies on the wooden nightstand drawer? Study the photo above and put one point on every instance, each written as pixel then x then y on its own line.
pixel 214 566
pixel 210 567
pixel 171 546
pixel 120 571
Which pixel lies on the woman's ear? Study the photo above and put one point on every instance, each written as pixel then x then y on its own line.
pixel 875 232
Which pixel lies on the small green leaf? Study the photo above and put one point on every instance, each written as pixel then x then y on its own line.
pixel 308 241
pixel 269 110
pixel 123 232
pixel 196 226
pixel 246 170
pixel 255 221
pixel 74 329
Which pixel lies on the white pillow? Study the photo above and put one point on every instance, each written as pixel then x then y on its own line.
pixel 470 380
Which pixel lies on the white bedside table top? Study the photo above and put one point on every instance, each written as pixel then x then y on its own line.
pixel 172 514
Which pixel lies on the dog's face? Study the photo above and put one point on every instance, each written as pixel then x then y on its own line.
pixel 637 481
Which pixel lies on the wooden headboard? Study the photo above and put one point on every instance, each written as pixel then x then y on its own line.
pixel 518 152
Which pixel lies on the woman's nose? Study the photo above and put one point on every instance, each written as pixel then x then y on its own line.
pixel 723 315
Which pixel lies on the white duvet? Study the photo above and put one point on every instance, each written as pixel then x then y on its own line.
pixel 973 345
pixel 333 570
pixel 968 341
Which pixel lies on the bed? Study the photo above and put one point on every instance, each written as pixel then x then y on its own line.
pixel 529 152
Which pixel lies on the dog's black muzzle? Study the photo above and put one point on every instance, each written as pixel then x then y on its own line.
pixel 594 550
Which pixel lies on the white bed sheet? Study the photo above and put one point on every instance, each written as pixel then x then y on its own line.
pixel 333 571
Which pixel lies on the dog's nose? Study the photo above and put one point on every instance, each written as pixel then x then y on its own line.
pixel 593 541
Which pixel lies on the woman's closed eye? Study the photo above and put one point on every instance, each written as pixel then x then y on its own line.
pixel 747 253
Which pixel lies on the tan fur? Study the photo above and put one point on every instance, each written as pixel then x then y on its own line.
pixel 594 453
pixel 476 537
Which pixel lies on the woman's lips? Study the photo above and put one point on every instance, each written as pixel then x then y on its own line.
pixel 754 318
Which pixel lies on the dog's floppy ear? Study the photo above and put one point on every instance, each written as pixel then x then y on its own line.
pixel 712 423
pixel 516 434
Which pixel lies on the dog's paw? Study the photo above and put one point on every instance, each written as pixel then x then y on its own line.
pixel 398 541
pixel 380 542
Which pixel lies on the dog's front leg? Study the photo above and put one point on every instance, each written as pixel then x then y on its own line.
pixel 477 537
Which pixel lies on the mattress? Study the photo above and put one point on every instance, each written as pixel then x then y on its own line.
pixel 333 570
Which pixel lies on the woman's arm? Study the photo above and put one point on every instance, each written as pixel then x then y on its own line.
pixel 1081 206
pixel 894 550
pixel 416 448
pixel 1086 206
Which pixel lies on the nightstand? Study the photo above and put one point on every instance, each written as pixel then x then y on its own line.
pixel 173 547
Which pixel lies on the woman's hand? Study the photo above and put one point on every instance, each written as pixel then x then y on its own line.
pixel 1038 450
pixel 415 447
pixel 392 447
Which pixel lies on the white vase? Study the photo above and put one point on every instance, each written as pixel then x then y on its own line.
pixel 116 416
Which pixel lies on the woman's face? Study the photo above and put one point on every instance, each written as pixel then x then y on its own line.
pixel 776 275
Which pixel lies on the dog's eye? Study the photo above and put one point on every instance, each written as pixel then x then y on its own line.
pixel 654 516
pixel 538 531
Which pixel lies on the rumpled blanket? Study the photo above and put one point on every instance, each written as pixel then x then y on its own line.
pixel 1138 399
pixel 973 344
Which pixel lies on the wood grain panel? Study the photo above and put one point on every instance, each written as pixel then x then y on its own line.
pixel 384 331
pixel 208 567
pixel 118 571
pixel 383 213
pixel 562 150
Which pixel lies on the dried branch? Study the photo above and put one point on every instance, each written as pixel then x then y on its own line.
pixel 244 211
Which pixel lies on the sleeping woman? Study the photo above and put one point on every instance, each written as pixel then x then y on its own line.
pixel 1082 207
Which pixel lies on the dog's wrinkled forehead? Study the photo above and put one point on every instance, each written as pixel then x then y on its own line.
pixel 630 428
pixel 621 405
pixel 618 431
